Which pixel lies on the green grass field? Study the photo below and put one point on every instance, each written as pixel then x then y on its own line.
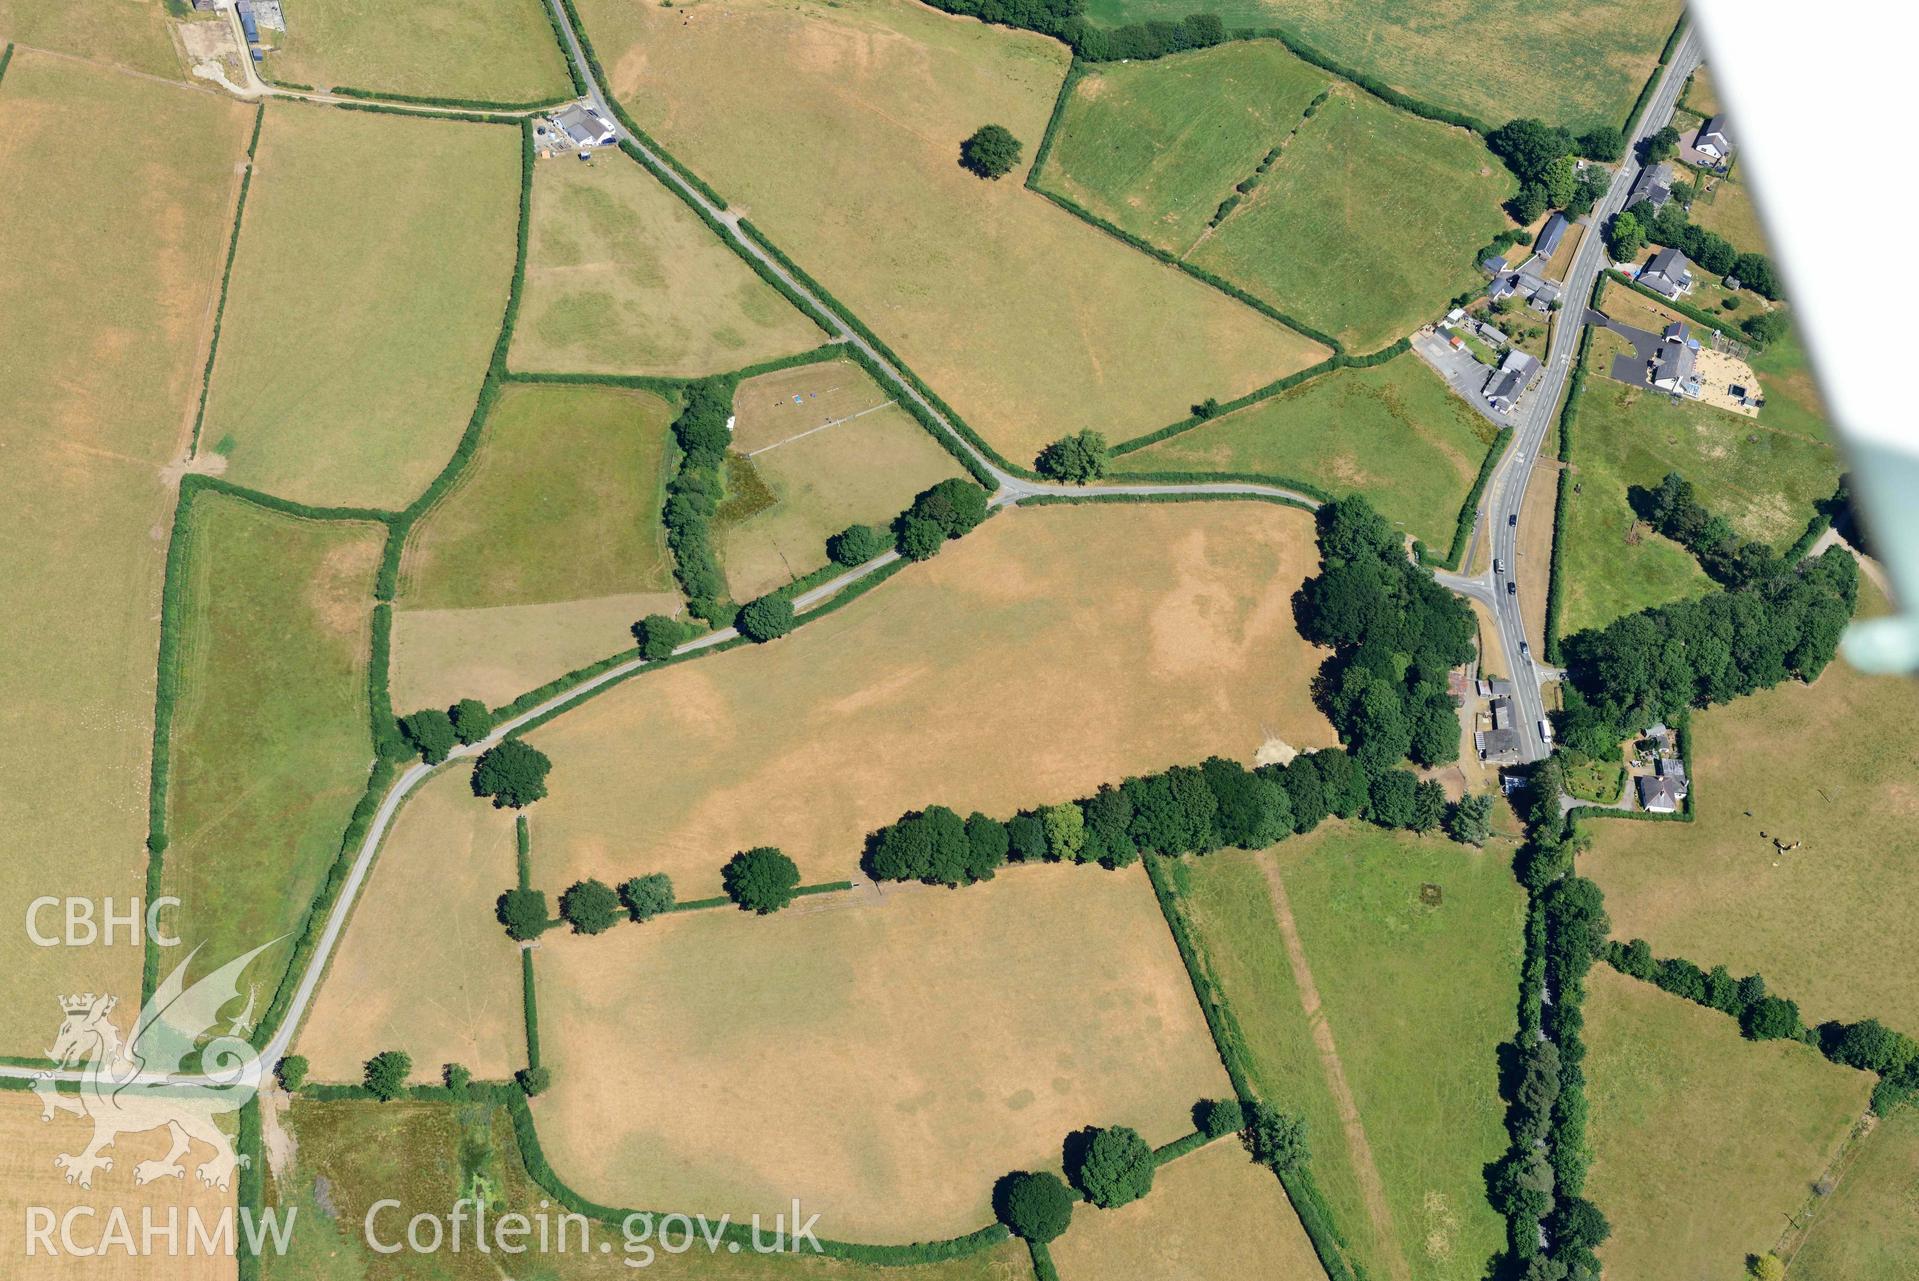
pixel 1155 146
pixel 1417 997
pixel 1793 403
pixel 1828 765
pixel 836 127
pixel 487 50
pixel 1729 210
pixel 1367 224
pixel 113 255
pixel 560 502
pixel 814 468
pixel 1703 1143
pixel 426 1155
pixel 271 741
pixel 1578 66
pixel 622 278
pixel 371 279
pixel 1393 432
pixel 1867 1230
pixel 127 33
pixel 1762 478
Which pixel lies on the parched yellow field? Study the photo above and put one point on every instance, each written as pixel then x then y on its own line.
pixel 1211 1216
pixel 498 652
pixel 1830 766
pixel 112 254
pixel 129 33
pixel 487 50
pixel 1047 652
pixel 367 293
pixel 829 449
pixel 1703 1143
pixel 458 1001
pixel 623 278
pixel 835 128
pixel 883 1058
pixel 29 1179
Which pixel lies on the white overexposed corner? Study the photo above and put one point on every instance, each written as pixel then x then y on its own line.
pixel 1824 101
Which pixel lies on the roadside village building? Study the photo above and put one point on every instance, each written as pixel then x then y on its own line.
pixel 1652 187
pixel 1506 383
pixel 580 125
pixel 1713 139
pixel 1673 367
pixel 1668 273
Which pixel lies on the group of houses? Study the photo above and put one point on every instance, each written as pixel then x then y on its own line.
pixel 1527 280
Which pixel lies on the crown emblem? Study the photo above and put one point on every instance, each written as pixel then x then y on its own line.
pixel 81 1004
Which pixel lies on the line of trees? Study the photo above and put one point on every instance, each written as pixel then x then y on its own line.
pixel 1651 665
pixel 1866 1044
pixel 1395 633
pixel 1065 20
pixel 1075 459
pixel 433 732
pixel 1708 249
pixel 948 510
pixel 693 497
pixel 590 906
pixel 1674 509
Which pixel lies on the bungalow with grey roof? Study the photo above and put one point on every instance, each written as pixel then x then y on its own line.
pixel 582 126
pixel 1506 384
pixel 1550 235
pixel 1660 795
pixel 1652 187
pixel 1667 272
pixel 1714 138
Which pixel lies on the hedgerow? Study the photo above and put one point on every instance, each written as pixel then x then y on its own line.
pixel 226 273
pixel 693 497
pixel 428 100
pixel 1469 509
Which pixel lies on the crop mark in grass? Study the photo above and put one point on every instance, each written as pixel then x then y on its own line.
pixel 1372 1187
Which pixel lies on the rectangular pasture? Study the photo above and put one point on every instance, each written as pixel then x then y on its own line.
pixel 271 731
pixel 836 129
pixel 1578 66
pixel 29 1179
pixel 457 1002
pixel 1212 1216
pixel 915 1044
pixel 1730 209
pixel 1154 147
pixel 830 449
pixel 1866 1230
pixel 1116 639
pixel 485 50
pixel 367 293
pixel 1393 432
pixel 113 254
pixel 623 278
pixel 133 34
pixel 1828 766
pixel 1367 223
pixel 1703 1143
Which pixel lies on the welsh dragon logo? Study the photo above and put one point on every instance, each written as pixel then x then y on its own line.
pixel 139 1085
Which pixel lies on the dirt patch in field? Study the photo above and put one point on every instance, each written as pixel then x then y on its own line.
pixel 899 1057
pixel 1047 652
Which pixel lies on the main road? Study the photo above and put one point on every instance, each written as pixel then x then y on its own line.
pixel 1506 494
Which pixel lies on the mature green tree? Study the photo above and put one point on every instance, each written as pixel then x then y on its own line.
pixel 524 914
pixel 1115 1167
pixel 534 1080
pixel 456 1077
pixel 590 907
pixel 919 537
pixel 1470 822
pixel 1602 143
pixel 1076 459
pixel 857 544
pixel 1529 146
pixel 292 1072
pixel 955 505
pixel 1251 810
pixel 768 618
pixel 1276 1138
pixel 1767 327
pixel 1109 820
pixel 1771 1018
pixel 1558 179
pixel 646 897
pixel 1435 726
pixel 1429 806
pixel 1663 145
pixel 761 879
pixel 1532 200
pixel 1625 238
pixel 1577 1223
pixel 386 1074
pixel 513 773
pixel 1394 798
pixel 986 845
pixel 1755 272
pixel 471 719
pixel 1305 790
pixel 992 152
pixel 1216 1118
pixel 658 636
pixel 1034 1207
pixel 431 734
pixel 1872 1047
pixel 1065 825
pixel 1347 788
pixel 1025 838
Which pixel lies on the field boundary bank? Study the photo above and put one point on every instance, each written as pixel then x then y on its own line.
pixel 226 278
pixel 1230 203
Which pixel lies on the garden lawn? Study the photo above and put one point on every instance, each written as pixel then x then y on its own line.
pixel 849 457
pixel 133 34
pixel 369 287
pixel 1393 432
pixel 271 739
pixel 1115 639
pixel 1213 1215
pixel 427 1155
pixel 1418 999
pixel 460 1002
pixel 1703 1143
pixel 1730 210
pixel 623 278
pixel 1154 147
pixel 1824 923
pixel 113 254
pixel 486 50
pixel 1764 480
pixel 1578 66
pixel 1367 223
pixel 1866 1230
pixel 916 1044
pixel 836 127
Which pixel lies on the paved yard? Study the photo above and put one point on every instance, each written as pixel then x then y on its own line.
pixel 1461 370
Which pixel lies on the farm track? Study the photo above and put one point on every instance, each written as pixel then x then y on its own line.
pixel 1372 1187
